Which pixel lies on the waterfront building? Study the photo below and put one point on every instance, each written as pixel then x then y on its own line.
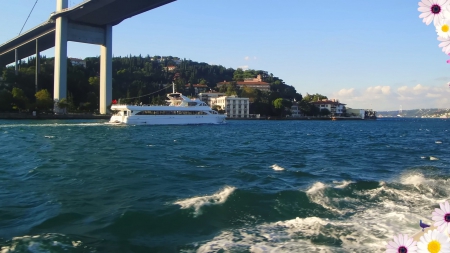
pixel 356 112
pixel 333 105
pixel 235 107
pixel 206 97
pixel 295 111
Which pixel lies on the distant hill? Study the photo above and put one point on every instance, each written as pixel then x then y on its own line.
pixel 417 113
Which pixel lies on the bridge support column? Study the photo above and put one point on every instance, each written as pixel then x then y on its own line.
pixel 106 71
pixel 16 65
pixel 60 84
pixel 38 66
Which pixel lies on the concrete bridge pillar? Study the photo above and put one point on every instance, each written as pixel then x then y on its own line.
pixel 60 84
pixel 16 66
pixel 106 71
pixel 38 66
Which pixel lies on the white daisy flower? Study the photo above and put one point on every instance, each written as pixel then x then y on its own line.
pixel 443 29
pixel 401 244
pixel 445 44
pixel 442 217
pixel 433 10
pixel 433 242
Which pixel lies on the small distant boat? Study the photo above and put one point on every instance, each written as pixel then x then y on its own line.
pixel 179 110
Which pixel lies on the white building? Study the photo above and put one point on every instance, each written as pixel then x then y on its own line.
pixel 78 62
pixel 206 97
pixel 295 111
pixel 234 106
pixel 333 105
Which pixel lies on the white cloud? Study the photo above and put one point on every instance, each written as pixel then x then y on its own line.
pixel 382 98
pixel 386 90
pixel 245 67
pixel 346 92
pixel 246 58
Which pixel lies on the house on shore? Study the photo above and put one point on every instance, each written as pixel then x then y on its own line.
pixel 255 83
pixel 234 107
pixel 333 105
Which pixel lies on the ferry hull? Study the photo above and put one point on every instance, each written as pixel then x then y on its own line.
pixel 168 120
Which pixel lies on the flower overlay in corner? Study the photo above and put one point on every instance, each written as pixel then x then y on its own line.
pixel 435 239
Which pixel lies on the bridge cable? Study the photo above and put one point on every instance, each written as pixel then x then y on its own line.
pixel 28 16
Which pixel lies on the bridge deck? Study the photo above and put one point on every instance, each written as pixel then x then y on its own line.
pixel 90 12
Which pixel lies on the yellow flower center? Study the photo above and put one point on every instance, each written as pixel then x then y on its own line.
pixel 445 28
pixel 434 247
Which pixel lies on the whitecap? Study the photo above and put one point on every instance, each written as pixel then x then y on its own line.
pixel 374 217
pixel 49 136
pixel 342 185
pixel 198 202
pixel 276 167
pixel 317 186
pixel 432 158
pixel 42 243
pixel 438 142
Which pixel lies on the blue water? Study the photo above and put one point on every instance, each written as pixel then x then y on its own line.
pixel 246 186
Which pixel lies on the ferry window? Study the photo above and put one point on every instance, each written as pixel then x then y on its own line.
pixel 125 113
pixel 192 103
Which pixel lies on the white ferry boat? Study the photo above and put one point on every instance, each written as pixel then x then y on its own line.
pixel 180 110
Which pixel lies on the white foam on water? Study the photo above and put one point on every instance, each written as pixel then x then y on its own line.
pixel 51 125
pixel 380 213
pixel 277 167
pixel 41 243
pixel 49 136
pixel 343 184
pixel 198 202
pixel 316 194
pixel 438 142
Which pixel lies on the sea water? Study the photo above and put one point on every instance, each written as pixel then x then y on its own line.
pixel 245 186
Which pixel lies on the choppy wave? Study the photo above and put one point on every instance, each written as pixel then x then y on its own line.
pixel 51 125
pixel 44 243
pixel 347 187
pixel 367 215
pixel 277 167
pixel 198 202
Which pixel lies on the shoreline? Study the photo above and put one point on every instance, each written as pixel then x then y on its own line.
pixel 52 116
pixel 106 116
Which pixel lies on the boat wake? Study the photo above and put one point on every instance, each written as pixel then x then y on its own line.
pixel 366 216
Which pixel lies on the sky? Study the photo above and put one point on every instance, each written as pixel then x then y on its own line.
pixel 367 54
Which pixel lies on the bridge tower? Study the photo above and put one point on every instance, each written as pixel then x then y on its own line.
pixel 60 75
pixel 67 31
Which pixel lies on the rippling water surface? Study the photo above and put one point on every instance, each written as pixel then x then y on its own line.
pixel 246 186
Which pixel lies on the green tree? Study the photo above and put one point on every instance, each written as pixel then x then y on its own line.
pixel 6 100
pixel 314 97
pixel 325 112
pixel 20 101
pixel 280 104
pixel 44 100
pixel 63 104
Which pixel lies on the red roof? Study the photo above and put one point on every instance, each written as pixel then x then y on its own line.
pixel 252 83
